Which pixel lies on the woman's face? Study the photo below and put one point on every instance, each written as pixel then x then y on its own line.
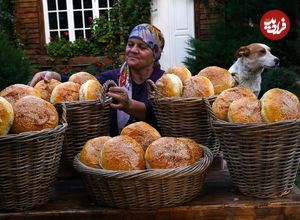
pixel 138 54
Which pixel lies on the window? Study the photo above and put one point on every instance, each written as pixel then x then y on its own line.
pixel 72 18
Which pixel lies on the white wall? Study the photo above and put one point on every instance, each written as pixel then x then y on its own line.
pixel 175 18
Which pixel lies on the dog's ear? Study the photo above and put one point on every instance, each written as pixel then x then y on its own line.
pixel 243 51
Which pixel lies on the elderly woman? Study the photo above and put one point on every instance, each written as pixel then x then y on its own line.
pixel 143 51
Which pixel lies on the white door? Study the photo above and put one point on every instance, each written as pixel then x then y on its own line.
pixel 175 18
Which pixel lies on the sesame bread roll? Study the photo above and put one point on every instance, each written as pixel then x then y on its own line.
pixel 168 152
pixel 6 116
pixel 221 104
pixel 142 132
pixel 279 104
pixel 122 153
pixel 197 86
pixel 182 72
pixel 245 110
pixel 81 77
pixel 169 85
pixel 33 114
pixel 14 92
pixel 90 152
pixel 46 88
pixel 65 92
pixel 90 90
pixel 220 78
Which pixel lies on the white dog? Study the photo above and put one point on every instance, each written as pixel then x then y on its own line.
pixel 251 62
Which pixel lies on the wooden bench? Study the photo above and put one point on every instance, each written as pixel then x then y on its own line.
pixel 219 199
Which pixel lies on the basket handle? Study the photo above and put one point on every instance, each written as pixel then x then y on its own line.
pixel 63 119
pixel 105 88
pixel 151 88
pixel 210 112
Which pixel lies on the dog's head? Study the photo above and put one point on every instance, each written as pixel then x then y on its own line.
pixel 257 55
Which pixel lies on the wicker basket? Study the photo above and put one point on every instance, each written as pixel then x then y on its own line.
pixel 29 164
pixel 86 120
pixel 183 117
pixel 145 189
pixel 262 158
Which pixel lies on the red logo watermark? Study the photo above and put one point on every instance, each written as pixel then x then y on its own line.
pixel 275 24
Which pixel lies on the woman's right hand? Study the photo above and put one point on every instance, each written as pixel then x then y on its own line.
pixel 44 75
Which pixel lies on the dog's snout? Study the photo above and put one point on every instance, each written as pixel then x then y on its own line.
pixel 277 61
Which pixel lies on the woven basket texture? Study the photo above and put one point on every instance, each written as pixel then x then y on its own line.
pixel 262 158
pixel 29 164
pixel 86 120
pixel 183 117
pixel 145 189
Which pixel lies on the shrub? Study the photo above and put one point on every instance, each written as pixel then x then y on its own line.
pixel 15 67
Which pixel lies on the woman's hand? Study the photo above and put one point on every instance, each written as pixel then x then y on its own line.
pixel 46 76
pixel 121 99
pixel 123 102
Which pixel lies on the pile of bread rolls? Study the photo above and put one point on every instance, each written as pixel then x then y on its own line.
pixel 25 108
pixel 177 81
pixel 139 147
pixel 81 86
pixel 22 109
pixel 241 105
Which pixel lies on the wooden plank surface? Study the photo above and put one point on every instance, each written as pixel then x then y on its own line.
pixel 219 199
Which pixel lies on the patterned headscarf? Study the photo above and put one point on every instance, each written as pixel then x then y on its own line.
pixel 153 37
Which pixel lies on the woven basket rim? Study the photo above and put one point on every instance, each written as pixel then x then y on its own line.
pixel 156 94
pixel 48 131
pixel 217 121
pixel 199 166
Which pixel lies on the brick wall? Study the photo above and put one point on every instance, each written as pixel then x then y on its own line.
pixel 204 15
pixel 30 26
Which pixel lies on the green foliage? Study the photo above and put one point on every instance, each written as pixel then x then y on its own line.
pixel 109 32
pixel 7 21
pixel 94 68
pixel 15 67
pixel 280 78
pixel 82 46
pixel 240 26
pixel 59 48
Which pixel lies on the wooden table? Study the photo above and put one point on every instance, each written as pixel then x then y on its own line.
pixel 219 199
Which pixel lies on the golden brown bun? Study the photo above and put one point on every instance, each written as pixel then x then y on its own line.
pixel 142 132
pixel 90 152
pixel 182 72
pixel 220 78
pixel 299 110
pixel 169 152
pixel 65 92
pixel 6 116
pixel 222 102
pixel 33 114
pixel 122 153
pixel 14 92
pixel 81 77
pixel 46 88
pixel 90 90
pixel 245 110
pixel 169 85
pixel 197 86
pixel 279 104
pixel 194 146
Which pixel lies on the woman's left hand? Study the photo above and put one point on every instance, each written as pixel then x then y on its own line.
pixel 122 101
